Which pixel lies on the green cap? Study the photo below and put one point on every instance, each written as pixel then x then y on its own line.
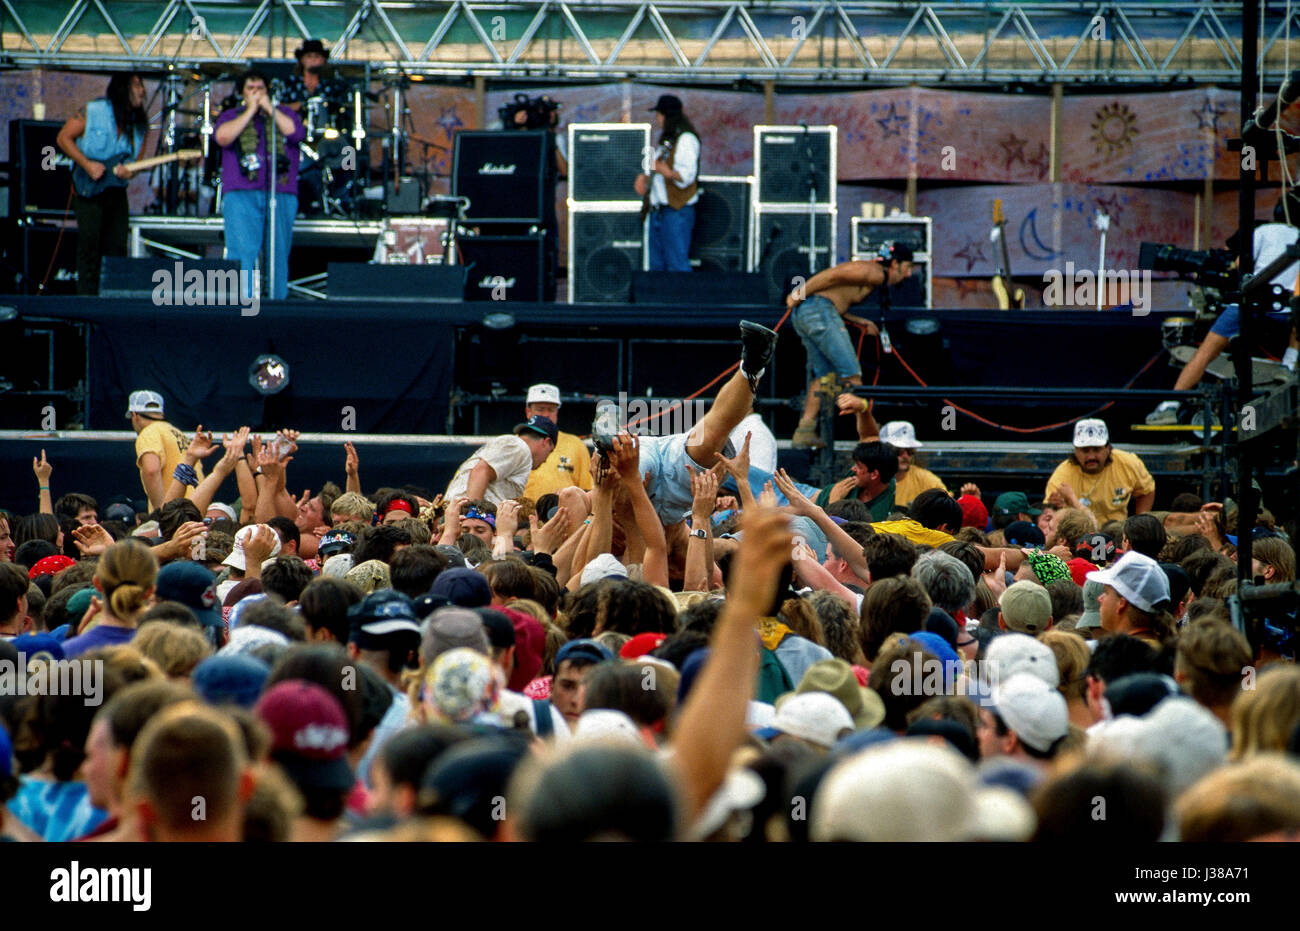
pixel 1012 503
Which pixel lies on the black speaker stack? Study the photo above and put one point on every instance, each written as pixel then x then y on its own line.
pixel 607 235
pixel 508 241
pixel 794 180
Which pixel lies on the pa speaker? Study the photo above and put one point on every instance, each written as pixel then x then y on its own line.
pixel 505 268
pixel 605 251
pixel 365 281
pixel 792 161
pixel 38 258
pixel 719 289
pixel 604 160
pixel 121 276
pixel 33 190
pixel 504 174
pixel 782 246
pixel 721 216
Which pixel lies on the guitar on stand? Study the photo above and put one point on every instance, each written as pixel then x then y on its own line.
pixel 1008 295
pixel 88 187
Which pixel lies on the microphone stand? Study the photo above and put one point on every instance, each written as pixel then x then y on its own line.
pixel 812 203
pixel 271 205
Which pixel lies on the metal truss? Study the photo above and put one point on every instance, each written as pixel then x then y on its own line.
pixel 701 41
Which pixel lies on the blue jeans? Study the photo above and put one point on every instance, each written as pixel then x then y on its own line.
pixel 825 339
pixel 1229 323
pixel 244 215
pixel 670 239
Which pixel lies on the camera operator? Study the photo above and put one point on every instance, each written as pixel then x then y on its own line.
pixel 528 113
pixel 1271 240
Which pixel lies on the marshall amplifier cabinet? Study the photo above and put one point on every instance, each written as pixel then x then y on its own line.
pixel 39 178
pixel 792 161
pixel 604 160
pixel 605 249
pixel 505 268
pixel 508 176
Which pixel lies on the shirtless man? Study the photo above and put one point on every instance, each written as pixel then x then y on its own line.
pixel 819 309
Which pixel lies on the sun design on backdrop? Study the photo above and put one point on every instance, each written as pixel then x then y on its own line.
pixel 1113 128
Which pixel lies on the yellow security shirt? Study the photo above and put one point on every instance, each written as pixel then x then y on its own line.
pixel 169 444
pixel 914 481
pixel 569 464
pixel 914 531
pixel 1108 492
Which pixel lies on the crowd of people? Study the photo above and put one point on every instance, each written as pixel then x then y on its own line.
pixel 667 643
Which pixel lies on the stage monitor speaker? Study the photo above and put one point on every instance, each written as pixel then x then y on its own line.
pixel 35 259
pixel 720 240
pixel 504 174
pixel 367 281
pixel 717 289
pixel 505 268
pixel 781 248
pixel 605 250
pixel 604 160
pixel 121 276
pixel 404 200
pixel 39 176
pixel 869 235
pixel 789 161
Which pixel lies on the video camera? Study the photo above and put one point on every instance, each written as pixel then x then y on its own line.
pixel 538 113
pixel 1210 268
pixel 1266 615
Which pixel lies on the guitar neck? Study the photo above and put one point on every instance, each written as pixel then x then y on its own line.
pixel 154 161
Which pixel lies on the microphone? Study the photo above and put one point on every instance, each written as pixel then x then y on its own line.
pixel 772 237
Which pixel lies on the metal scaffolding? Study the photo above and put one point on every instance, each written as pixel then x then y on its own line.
pixel 700 41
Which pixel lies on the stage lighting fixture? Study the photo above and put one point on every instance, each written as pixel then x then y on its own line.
pixel 8 313
pixel 269 374
pixel 499 321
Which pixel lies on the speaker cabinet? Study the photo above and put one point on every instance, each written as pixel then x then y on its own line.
pixel 35 259
pixel 505 174
pixel 720 240
pixel 604 160
pixel 605 249
pixel 505 268
pixel 791 161
pixel 781 248
pixel 35 191
pixel 366 281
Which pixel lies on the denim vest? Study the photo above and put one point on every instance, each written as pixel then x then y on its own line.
pixel 101 139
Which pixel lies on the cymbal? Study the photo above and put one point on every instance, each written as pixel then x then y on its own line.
pixel 213 69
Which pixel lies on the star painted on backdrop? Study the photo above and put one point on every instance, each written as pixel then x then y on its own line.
pixel 972 252
pixel 1111 206
pixel 892 123
pixel 1014 147
pixel 1040 160
pixel 449 120
pixel 1208 116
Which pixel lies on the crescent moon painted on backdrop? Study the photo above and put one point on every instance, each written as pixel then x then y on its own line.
pixel 1029 225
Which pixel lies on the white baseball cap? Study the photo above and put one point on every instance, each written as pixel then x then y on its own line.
pixel 1016 654
pixel 1034 710
pixel 900 434
pixel 237 559
pixel 144 402
pixel 1138 578
pixel 544 394
pixel 1091 432
pixel 817 717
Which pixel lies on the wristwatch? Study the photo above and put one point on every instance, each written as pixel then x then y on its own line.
pixel 701 533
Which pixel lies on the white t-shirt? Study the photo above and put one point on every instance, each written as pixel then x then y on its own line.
pixel 1271 240
pixel 509 456
pixel 686 162
pixel 762 445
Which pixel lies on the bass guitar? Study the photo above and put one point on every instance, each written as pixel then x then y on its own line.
pixel 1008 295
pixel 86 186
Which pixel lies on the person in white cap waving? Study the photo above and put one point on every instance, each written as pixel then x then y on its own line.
pixel 569 464
pixel 159 447
pixel 1100 478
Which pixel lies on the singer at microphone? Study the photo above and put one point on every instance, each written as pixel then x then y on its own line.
pixel 245 176
pixel 818 309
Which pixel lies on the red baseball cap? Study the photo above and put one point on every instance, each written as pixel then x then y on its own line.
pixel 973 512
pixel 530 644
pixel 641 644
pixel 1079 569
pixel 309 733
pixel 50 565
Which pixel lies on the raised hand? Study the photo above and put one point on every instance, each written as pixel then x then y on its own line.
pixel 970 488
pixel 850 403
pixel 201 446
pixel 507 519
pixel 91 539
pixel 799 502
pixel 42 469
pixel 704 493
pixel 996 579
pixel 546 537
pixel 260 544
pixel 351 463
pixel 764 549
pixel 737 466
pixel 625 457
pixel 767 498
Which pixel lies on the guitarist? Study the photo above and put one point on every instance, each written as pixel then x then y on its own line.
pixel 671 190
pixel 115 124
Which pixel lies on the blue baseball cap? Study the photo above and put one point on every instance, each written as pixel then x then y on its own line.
pixel 539 424
pixel 586 649
pixel 194 586
pixel 467 588
pixel 231 678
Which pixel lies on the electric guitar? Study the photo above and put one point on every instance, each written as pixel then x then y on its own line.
pixel 88 187
pixel 1008 294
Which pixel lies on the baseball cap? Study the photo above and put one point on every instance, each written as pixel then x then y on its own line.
pixel 1023 533
pixel 539 424
pixel 193 585
pixel 583 648
pixel 1137 578
pixel 1026 607
pixel 899 433
pixel 224 509
pixel 335 541
pixel 1139 692
pixel 40 646
pixel 1014 502
pixel 451 628
pixel 530 644
pixel 1033 709
pixel 465 587
pixel 1096 547
pixel 973 512
pixel 835 677
pixel 461 684
pixel 384 620
pixel 1079 569
pixel 309 734
pixel 668 105
pixel 500 632
pixel 455 558
pixel 120 510
pixel 236 559
pixel 230 679
pixel 1091 616
pixel 144 402
pixel 1014 654
pixel 607 724
pixel 817 717
pixel 603 566
pixel 1091 432
pixel 641 644
pixel 544 394
pixel 50 565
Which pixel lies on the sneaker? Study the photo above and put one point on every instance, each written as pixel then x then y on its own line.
pixel 1162 416
pixel 757 343
pixel 807 436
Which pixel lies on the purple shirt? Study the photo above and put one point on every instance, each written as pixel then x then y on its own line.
pixel 99 636
pixel 232 179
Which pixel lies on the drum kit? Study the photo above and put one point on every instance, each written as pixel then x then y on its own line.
pixel 334 173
